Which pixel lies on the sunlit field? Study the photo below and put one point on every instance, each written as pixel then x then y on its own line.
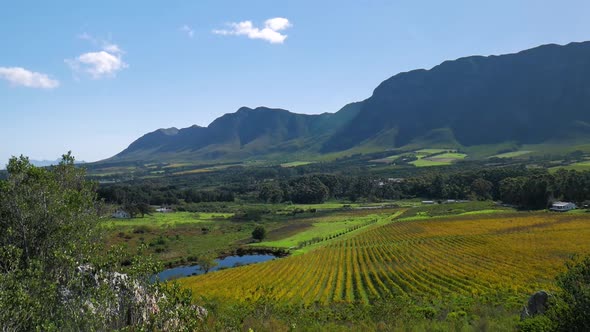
pixel 505 256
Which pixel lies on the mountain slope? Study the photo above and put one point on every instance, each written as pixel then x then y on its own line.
pixel 241 134
pixel 534 96
pixel 529 97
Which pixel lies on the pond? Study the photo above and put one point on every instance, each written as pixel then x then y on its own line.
pixel 223 263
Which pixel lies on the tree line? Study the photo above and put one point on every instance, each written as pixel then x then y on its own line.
pixel 520 186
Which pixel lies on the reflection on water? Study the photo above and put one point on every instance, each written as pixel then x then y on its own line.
pixel 227 262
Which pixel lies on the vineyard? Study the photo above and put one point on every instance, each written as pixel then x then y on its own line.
pixel 510 254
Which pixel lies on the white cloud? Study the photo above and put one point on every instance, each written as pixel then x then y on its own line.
pixel 188 30
pixel 277 23
pixel 112 48
pixel 270 31
pixel 30 79
pixel 104 63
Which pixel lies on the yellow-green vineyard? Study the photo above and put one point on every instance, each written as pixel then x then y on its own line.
pixel 469 255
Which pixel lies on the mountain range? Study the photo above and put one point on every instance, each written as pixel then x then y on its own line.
pixel 531 97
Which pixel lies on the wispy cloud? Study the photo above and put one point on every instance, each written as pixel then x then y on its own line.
pixel 188 30
pixel 99 64
pixel 270 32
pixel 19 76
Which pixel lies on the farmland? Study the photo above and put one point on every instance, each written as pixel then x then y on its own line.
pixel 439 243
pixel 296 163
pixel 425 157
pixel 505 256
pixel 176 237
pixel 436 157
pixel 512 154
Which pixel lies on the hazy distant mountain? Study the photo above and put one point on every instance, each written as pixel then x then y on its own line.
pixel 534 96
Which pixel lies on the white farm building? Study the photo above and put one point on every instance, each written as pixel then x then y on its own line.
pixel 562 206
pixel 121 214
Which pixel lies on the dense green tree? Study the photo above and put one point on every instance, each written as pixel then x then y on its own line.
pixel 511 190
pixel 572 304
pixel 482 188
pixel 308 190
pixel 259 233
pixel 271 193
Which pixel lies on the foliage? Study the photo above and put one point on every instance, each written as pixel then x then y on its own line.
pixel 207 262
pixel 259 233
pixel 308 190
pixel 54 271
pixel 571 311
pixel 271 193
pixel 539 323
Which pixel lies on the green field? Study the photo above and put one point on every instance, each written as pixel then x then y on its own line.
pixel 175 237
pixel 437 160
pixel 167 219
pixel 425 158
pixel 296 163
pixel 580 166
pixel 512 154
pixel 431 151
pixel 325 227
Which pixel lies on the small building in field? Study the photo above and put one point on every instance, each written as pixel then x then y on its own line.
pixel 164 209
pixel 427 202
pixel 121 214
pixel 562 206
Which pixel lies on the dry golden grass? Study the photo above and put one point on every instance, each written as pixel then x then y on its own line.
pixel 513 254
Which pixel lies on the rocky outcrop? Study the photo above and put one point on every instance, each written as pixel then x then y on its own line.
pixel 537 304
pixel 127 302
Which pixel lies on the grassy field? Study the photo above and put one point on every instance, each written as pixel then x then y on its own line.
pixel 296 163
pixel 167 219
pixel 504 257
pixel 430 151
pixel 174 237
pixel 437 160
pixel 580 166
pixel 425 158
pixel 321 228
pixel 512 154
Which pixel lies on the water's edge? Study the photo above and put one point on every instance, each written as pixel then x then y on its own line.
pixel 223 263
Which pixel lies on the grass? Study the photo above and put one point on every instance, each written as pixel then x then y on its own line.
pixel 442 157
pixel 431 151
pixel 512 154
pixel 450 155
pixel 193 171
pixel 445 157
pixel 438 160
pixel 579 166
pixel 173 237
pixel 331 205
pixel 453 209
pixel 296 163
pixel 167 219
pixel 427 163
pixel 323 227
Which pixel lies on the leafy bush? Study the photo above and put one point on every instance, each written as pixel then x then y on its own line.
pixel 570 313
pixel 259 233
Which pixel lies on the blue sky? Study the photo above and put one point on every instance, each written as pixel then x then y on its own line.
pixel 91 77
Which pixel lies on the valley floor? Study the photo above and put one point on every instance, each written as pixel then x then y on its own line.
pixel 442 266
